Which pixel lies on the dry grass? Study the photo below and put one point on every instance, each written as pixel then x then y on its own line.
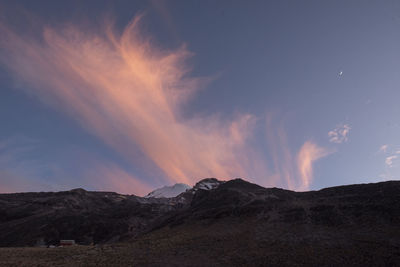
pixel 234 243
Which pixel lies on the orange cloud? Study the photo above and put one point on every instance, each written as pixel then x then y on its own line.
pixel 129 94
pixel 110 177
pixel 308 153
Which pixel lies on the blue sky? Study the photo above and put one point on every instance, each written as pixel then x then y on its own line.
pixel 282 93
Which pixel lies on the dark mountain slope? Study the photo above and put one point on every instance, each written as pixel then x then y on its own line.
pixel 27 219
pixel 213 224
pixel 369 204
pixel 242 224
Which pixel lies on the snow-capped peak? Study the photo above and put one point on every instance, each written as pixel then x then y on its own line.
pixel 207 184
pixel 169 191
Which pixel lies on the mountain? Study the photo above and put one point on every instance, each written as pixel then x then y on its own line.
pixel 207 184
pixel 168 191
pixel 177 189
pixel 27 219
pixel 213 224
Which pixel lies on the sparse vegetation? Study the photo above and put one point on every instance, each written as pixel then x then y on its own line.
pixel 241 224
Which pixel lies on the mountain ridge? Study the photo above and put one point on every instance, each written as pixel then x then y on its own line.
pixel 168 191
pixel 343 224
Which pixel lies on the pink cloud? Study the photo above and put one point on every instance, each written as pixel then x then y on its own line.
pixel 130 93
pixel 308 154
pixel 110 177
pixel 383 148
pixel 389 160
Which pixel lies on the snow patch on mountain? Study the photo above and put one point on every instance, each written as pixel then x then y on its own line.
pixel 207 184
pixel 169 191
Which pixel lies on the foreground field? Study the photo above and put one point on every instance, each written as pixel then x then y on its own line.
pixel 242 243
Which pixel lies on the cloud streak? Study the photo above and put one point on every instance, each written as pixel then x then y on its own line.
pixel 308 154
pixel 383 148
pixel 130 94
pixel 389 160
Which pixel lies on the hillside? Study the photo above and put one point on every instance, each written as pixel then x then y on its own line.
pixel 233 222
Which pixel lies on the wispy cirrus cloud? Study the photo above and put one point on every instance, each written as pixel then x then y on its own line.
pixel 21 170
pixel 339 134
pixel 389 160
pixel 393 155
pixel 106 176
pixel 383 148
pixel 129 93
pixel 308 154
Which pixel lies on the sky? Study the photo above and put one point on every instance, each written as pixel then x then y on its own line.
pixel 129 96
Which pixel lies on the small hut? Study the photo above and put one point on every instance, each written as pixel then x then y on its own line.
pixel 67 242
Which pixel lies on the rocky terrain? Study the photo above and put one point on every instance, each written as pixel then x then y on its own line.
pixel 213 224
pixel 169 191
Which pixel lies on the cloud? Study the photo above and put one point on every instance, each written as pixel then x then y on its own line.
pixel 287 165
pixel 106 176
pixel 383 148
pixel 339 134
pixel 389 160
pixel 309 153
pixel 130 94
